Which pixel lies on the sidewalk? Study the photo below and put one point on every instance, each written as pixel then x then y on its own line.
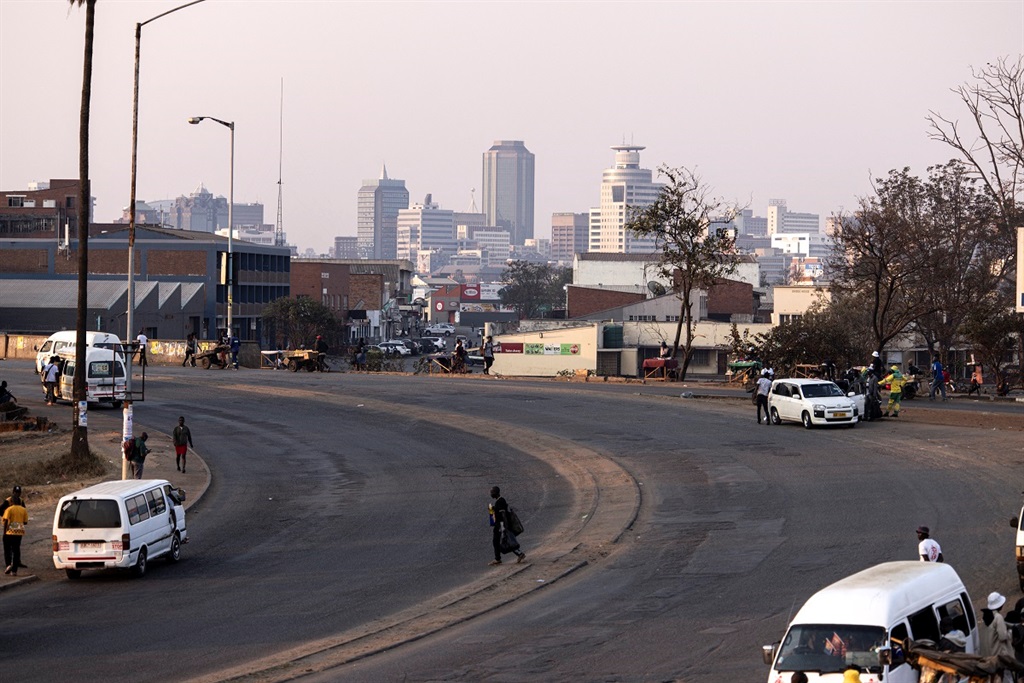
pixel 36 551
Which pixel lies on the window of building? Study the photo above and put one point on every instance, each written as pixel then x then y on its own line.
pixel 15 201
pixel 69 202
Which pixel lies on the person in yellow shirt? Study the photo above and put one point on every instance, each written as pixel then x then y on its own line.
pixel 15 518
pixel 895 380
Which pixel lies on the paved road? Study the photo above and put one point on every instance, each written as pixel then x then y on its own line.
pixel 340 500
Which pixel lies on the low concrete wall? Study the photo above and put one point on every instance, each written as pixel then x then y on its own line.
pixel 161 351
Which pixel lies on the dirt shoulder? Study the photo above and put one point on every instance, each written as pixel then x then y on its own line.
pixel 20 450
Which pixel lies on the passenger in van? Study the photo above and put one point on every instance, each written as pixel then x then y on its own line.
pixel 953 639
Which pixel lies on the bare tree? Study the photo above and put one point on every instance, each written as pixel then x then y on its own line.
pixel 692 256
pixel 992 145
pixel 879 257
pixel 80 434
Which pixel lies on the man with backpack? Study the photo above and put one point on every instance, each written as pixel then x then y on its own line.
pixel 501 526
pixel 137 456
pixel 51 373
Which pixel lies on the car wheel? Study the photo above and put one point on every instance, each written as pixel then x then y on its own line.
pixel 293 365
pixel 806 419
pixel 140 564
pixel 175 554
pixel 77 574
pixel 447 334
pixel 776 420
pixel 205 363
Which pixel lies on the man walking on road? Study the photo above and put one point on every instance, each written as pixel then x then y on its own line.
pixel 938 379
pixel 763 388
pixel 499 522
pixel 15 518
pixel 182 442
pixel 488 354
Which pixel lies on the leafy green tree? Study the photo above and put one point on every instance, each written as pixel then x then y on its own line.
pixel 691 255
pixel 298 321
pixel 80 434
pixel 879 257
pixel 531 287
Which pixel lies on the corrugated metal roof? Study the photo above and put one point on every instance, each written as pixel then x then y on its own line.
pixel 59 293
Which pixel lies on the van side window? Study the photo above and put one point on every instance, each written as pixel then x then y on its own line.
pixel 138 508
pixel 157 506
pixel 924 625
pixel 899 654
pixel 954 612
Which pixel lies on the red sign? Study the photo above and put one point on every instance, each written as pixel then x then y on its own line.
pixel 470 293
pixel 439 305
pixel 508 347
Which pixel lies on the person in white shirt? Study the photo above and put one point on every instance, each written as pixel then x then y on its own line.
pixel 763 388
pixel 143 341
pixel 927 548
pixel 51 373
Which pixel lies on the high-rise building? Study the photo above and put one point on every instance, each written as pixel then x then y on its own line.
pixel 425 226
pixel 623 187
pixel 378 205
pixel 568 235
pixel 508 188
pixel 346 246
pixel 781 219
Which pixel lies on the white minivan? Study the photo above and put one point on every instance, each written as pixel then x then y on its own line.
pixel 862 620
pixel 105 381
pixel 119 525
pixel 66 339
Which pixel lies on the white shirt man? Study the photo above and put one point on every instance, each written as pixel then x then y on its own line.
pixel 51 373
pixel 927 548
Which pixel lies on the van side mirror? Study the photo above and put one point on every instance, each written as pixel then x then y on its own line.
pixel 851 394
pixel 35 347
pixel 768 653
pixel 885 657
pixel 1014 522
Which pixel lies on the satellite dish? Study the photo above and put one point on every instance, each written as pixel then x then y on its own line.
pixel 657 289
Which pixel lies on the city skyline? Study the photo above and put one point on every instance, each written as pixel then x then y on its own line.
pixel 804 101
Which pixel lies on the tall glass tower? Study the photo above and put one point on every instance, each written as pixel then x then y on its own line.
pixel 377 208
pixel 508 188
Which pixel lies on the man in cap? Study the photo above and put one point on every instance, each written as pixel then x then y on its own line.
pixel 15 493
pixel 927 547
pixel 15 518
pixel 321 353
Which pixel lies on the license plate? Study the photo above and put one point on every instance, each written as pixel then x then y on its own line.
pixel 838 414
pixel 90 546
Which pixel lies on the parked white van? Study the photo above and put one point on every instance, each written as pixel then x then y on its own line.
pixel 858 620
pixel 105 380
pixel 66 339
pixel 119 525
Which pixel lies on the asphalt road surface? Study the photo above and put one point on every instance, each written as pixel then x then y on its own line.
pixel 668 539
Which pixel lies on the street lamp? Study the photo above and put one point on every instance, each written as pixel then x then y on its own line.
pixel 130 316
pixel 230 125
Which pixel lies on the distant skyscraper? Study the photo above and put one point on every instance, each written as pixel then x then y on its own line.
pixel 568 235
pixel 378 205
pixel 425 227
pixel 508 188
pixel 623 186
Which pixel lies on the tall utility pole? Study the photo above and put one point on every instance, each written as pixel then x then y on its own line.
pixel 279 231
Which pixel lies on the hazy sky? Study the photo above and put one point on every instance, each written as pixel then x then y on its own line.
pixel 806 101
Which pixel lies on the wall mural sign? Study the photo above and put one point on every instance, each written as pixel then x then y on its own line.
pixel 553 349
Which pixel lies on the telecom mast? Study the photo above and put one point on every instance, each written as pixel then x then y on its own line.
pixel 279 229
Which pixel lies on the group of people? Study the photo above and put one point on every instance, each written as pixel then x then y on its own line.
pixel 136 450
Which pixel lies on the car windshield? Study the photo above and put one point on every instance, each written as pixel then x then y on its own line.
pixel 821 390
pixel 830 648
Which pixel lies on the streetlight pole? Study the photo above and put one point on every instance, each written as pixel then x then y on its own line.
pixel 130 317
pixel 230 125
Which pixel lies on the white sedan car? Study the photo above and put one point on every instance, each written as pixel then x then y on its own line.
pixel 813 402
pixel 395 348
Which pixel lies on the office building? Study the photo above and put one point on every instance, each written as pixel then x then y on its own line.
pixel 423 227
pixel 346 247
pixel 569 235
pixel 378 204
pixel 508 188
pixel 781 220
pixel 624 186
